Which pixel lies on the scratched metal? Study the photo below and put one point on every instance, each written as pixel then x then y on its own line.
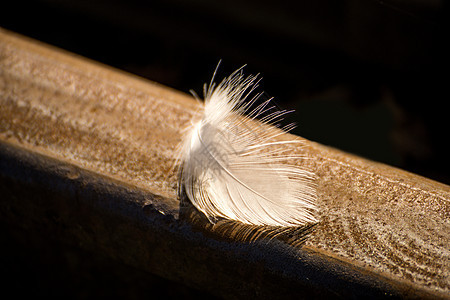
pixel 386 220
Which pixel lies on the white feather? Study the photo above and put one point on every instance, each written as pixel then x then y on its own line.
pixel 234 167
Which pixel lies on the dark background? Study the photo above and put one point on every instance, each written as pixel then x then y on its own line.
pixel 365 76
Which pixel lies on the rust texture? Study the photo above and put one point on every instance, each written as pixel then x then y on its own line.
pixel 96 124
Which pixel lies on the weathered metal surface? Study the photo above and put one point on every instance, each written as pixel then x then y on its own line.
pixel 99 147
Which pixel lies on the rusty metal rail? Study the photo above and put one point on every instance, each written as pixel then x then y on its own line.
pixel 87 156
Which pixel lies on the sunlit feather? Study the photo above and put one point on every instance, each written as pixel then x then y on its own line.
pixel 236 168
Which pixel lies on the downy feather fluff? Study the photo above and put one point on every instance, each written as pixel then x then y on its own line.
pixel 236 168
